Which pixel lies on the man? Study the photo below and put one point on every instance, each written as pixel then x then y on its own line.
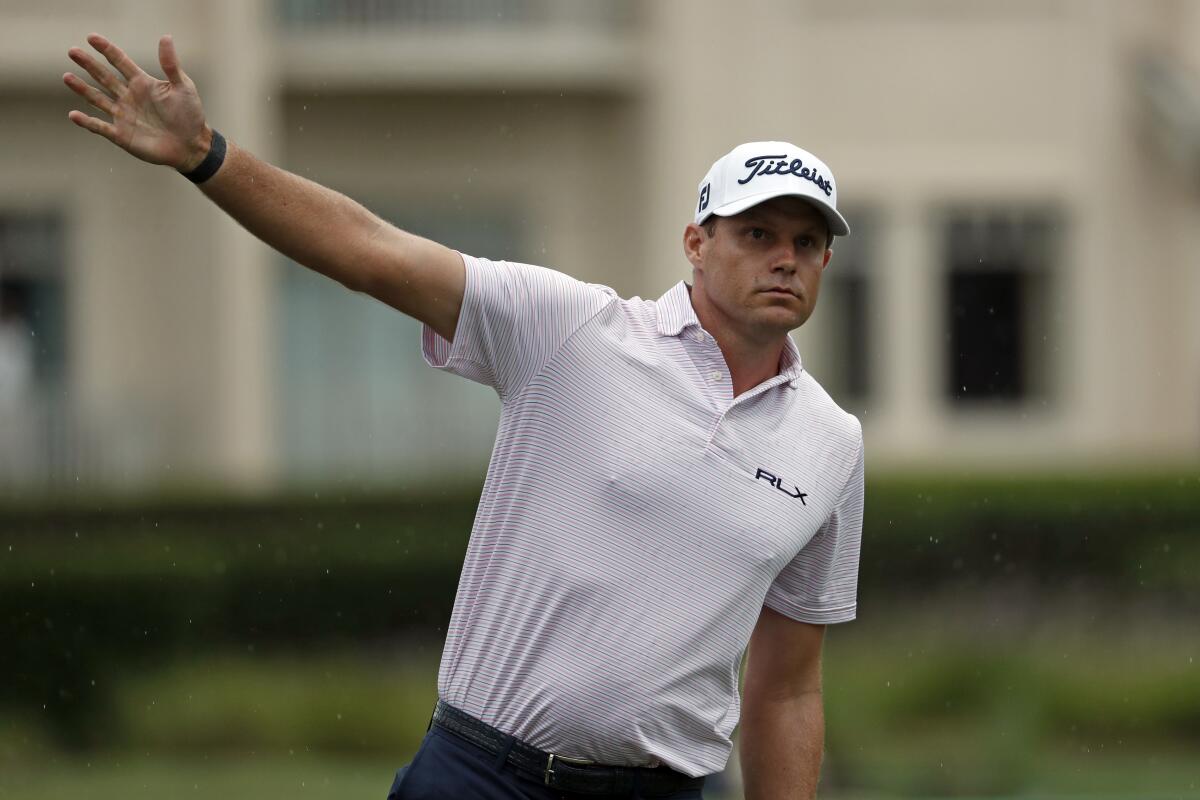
pixel 669 488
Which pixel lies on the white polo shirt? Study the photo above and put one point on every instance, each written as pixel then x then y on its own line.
pixel 635 519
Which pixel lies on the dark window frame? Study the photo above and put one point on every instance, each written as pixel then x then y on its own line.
pixel 841 341
pixel 34 286
pixel 999 261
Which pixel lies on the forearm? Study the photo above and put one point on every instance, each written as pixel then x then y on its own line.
pixel 311 224
pixel 780 744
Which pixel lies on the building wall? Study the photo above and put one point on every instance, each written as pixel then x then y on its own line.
pixel 580 139
pixel 948 106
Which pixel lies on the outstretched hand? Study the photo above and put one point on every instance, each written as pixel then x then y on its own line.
pixel 161 122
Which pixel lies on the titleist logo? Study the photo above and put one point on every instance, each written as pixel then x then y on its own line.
pixel 779 165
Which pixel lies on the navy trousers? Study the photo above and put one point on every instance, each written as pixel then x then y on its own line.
pixel 447 767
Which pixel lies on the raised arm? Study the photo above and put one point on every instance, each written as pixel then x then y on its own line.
pixel 162 122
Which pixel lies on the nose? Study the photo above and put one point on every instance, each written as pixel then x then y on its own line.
pixel 785 258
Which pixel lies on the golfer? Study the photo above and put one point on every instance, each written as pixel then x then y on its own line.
pixel 670 490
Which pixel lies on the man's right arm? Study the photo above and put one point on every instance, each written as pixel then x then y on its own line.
pixel 162 122
pixel 332 234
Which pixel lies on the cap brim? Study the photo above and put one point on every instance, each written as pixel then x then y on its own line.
pixel 837 223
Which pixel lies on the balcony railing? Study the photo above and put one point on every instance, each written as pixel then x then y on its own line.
pixel 457 14
pixel 47 446
pixel 449 45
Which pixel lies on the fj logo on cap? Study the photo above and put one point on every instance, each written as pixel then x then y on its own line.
pixel 794 492
pixel 779 165
pixel 704 193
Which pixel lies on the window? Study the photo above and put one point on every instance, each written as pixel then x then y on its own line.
pixel 359 403
pixel 32 325
pixel 997 289
pixel 841 328
pixel 32 345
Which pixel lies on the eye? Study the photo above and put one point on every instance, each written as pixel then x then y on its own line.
pixel 758 233
pixel 806 242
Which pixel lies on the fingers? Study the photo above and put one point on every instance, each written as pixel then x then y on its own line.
pixel 103 76
pixel 169 60
pixel 88 92
pixel 94 125
pixel 116 56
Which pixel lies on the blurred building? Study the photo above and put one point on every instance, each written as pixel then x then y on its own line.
pixel 1022 178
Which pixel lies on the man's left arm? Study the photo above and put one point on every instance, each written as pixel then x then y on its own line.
pixel 783 720
pixel 782 732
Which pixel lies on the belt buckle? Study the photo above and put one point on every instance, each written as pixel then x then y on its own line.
pixel 574 762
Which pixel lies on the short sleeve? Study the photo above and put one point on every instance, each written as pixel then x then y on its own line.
pixel 820 584
pixel 514 318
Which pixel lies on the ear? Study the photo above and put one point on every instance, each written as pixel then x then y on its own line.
pixel 694 238
pixel 828 255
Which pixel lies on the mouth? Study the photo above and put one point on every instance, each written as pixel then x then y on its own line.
pixel 779 291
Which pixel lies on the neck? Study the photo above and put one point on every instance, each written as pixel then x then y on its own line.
pixel 752 357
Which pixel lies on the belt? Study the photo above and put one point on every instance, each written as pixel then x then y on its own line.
pixel 560 772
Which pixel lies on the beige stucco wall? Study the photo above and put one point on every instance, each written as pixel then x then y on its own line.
pixel 916 106
pixel 947 105
pixel 558 162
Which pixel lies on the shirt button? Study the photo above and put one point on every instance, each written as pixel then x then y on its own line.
pixel 714 376
pixel 698 336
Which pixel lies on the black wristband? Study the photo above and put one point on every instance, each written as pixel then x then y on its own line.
pixel 211 163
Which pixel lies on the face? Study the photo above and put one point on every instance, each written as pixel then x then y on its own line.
pixel 758 274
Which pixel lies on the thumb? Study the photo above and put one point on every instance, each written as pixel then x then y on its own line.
pixel 169 60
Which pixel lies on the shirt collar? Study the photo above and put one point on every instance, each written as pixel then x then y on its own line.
pixel 675 312
pixel 675 315
pixel 790 365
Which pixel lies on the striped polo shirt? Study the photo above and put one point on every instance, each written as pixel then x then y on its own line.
pixel 635 519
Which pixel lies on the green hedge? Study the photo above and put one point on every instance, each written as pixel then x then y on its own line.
pixel 1112 535
pixel 88 589
pixel 86 592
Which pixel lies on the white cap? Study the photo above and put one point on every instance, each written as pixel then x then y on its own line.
pixel 752 173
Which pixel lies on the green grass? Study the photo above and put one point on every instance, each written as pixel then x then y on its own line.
pixel 920 704
pixel 250 776
pixel 332 704
pixel 129 776
pixel 234 726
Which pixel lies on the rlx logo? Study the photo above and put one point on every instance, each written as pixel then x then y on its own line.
pixel 778 484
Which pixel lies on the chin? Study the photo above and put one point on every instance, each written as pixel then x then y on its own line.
pixel 785 319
